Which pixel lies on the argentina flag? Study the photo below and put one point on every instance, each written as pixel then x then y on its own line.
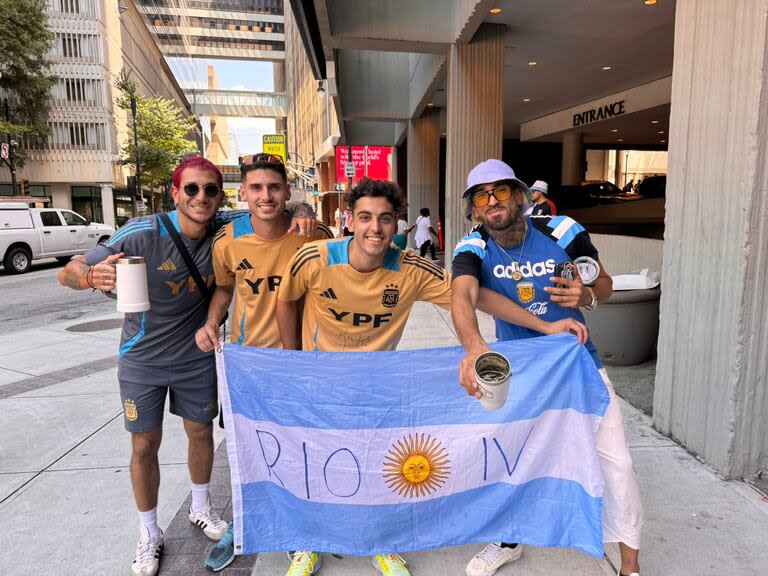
pixel 366 453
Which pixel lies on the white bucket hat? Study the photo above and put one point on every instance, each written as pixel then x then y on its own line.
pixel 541 186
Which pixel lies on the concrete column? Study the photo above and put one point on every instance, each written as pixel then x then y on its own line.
pixel 619 169
pixel 573 164
pixel 711 388
pixel 61 195
pixel 108 204
pixel 424 166
pixel 475 118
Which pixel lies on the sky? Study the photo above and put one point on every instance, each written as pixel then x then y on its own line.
pixel 232 75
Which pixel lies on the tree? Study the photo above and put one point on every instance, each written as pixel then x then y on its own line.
pixel 24 44
pixel 163 131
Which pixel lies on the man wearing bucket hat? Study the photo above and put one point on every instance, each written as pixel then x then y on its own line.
pixel 158 356
pixel 516 256
pixel 542 206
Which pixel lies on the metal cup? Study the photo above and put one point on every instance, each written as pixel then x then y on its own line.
pixel 131 285
pixel 492 373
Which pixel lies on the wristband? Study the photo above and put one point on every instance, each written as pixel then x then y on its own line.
pixel 593 304
pixel 89 278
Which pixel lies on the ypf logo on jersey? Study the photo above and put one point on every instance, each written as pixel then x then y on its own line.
pixel 391 296
pixel 528 270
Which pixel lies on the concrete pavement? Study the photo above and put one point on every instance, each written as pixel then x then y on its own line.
pixel 67 506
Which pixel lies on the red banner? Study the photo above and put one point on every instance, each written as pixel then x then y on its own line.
pixel 371 161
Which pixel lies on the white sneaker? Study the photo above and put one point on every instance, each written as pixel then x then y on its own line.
pixel 491 558
pixel 209 522
pixel 148 552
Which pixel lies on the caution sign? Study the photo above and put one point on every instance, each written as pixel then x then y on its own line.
pixel 274 144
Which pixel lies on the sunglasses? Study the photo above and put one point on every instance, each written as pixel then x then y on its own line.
pixel 483 198
pixel 261 157
pixel 192 190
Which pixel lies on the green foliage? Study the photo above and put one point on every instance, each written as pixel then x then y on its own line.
pixel 24 44
pixel 164 132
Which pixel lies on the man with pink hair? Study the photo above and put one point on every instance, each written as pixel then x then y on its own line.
pixel 158 356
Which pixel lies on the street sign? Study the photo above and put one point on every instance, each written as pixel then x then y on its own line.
pixel 274 144
pixel 4 151
pixel 349 169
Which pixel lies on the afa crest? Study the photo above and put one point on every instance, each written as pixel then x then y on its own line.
pixel 391 296
pixel 525 292
pixel 131 412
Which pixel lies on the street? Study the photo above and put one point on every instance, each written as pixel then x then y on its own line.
pixel 37 299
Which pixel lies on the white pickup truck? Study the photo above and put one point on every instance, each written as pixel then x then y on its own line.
pixel 27 234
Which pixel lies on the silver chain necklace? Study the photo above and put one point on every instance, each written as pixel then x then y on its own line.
pixel 517 274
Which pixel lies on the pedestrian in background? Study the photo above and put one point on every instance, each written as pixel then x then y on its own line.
pixel 401 238
pixel 542 206
pixel 346 218
pixel 424 233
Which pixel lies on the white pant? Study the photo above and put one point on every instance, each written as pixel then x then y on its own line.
pixel 622 505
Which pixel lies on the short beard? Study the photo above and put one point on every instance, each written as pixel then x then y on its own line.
pixel 509 231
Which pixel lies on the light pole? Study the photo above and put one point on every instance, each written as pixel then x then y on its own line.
pixel 12 145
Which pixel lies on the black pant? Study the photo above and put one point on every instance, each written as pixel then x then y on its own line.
pixel 427 245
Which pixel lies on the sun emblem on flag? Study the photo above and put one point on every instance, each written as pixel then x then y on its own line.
pixel 416 465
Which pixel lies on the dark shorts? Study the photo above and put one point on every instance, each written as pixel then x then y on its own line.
pixel 400 240
pixel 143 389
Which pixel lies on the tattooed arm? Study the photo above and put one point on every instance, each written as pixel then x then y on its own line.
pixel 77 274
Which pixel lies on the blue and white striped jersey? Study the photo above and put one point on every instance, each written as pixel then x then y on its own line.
pixel 549 241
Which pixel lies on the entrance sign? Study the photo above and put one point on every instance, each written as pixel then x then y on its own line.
pixel 597 114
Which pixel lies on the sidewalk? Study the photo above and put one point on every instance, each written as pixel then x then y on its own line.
pixel 66 499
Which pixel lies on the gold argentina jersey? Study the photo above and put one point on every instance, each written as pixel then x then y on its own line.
pixel 347 310
pixel 254 266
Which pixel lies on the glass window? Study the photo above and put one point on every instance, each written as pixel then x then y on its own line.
pixel 72 219
pixel 39 190
pixel 50 218
pixel 86 192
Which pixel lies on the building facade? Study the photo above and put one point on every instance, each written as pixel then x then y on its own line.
pixel 77 166
pixel 312 126
pixel 230 29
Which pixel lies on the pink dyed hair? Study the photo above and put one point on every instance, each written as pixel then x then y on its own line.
pixel 197 162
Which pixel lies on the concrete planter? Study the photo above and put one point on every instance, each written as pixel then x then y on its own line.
pixel 625 329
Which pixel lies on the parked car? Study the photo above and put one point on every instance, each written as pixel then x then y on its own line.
pixel 653 187
pixel 28 234
pixel 589 194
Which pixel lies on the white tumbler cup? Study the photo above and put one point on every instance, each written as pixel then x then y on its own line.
pixel 131 285
pixel 492 372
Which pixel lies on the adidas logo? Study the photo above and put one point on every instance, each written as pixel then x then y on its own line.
pixel 330 294
pixel 168 266
pixel 245 265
